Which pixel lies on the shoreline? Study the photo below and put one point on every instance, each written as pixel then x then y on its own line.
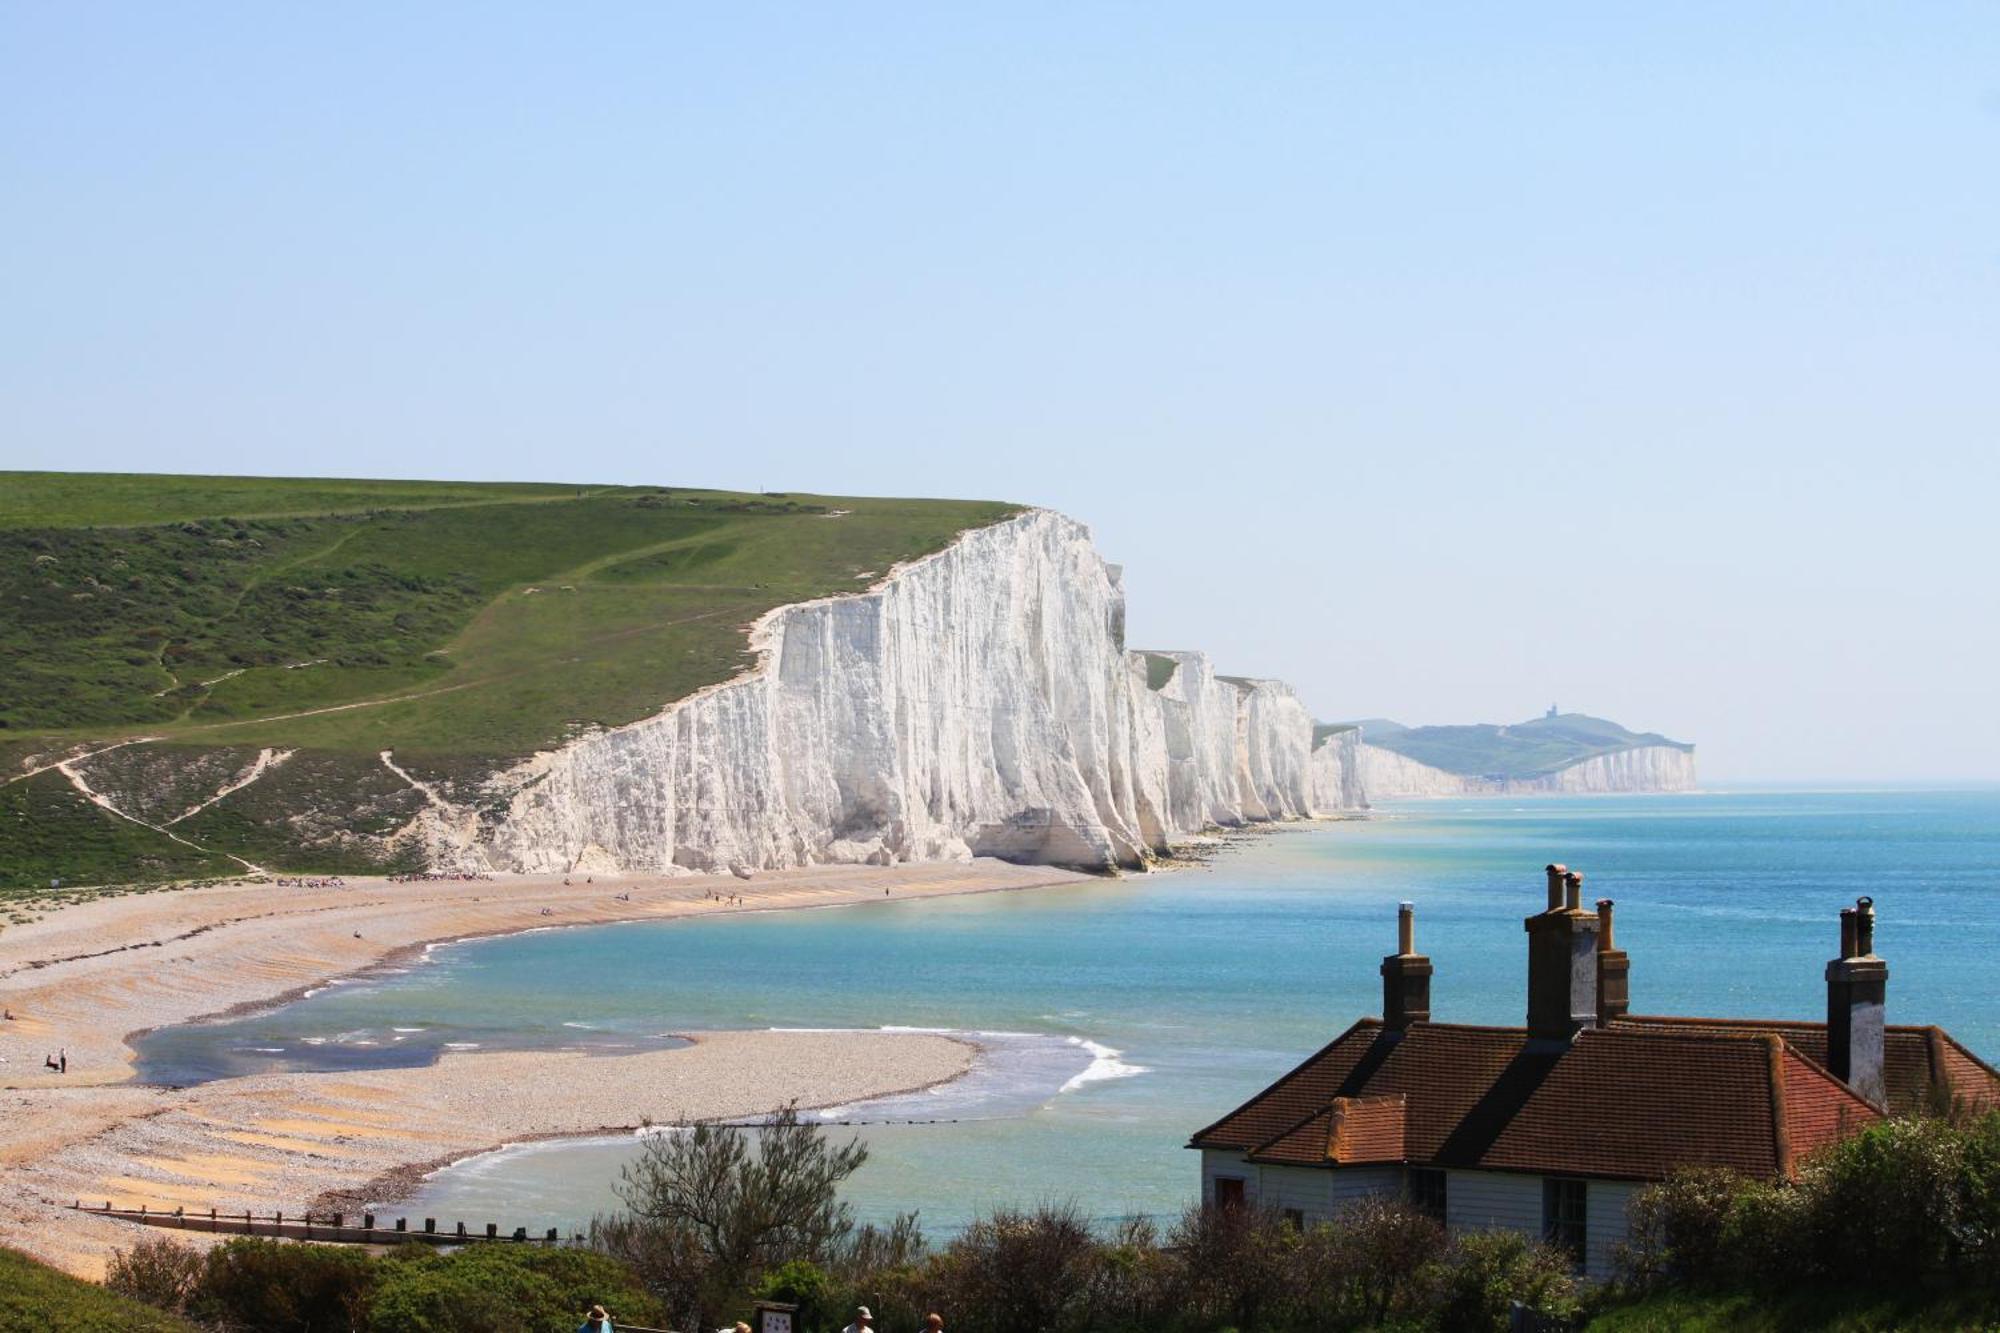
pixel 84 978
pixel 399 1182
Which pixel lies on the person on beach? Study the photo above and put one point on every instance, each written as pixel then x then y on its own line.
pixel 65 1063
pixel 597 1321
pixel 863 1321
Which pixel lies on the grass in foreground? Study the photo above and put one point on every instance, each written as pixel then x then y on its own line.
pixel 1803 1312
pixel 35 1298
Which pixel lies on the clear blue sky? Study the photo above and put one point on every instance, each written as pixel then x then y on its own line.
pixel 1443 360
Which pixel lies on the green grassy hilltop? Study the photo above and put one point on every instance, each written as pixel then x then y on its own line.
pixel 1522 750
pixel 464 625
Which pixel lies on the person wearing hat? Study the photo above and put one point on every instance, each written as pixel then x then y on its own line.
pixel 597 1321
pixel 863 1321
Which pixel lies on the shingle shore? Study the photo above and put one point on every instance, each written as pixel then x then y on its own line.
pixel 85 977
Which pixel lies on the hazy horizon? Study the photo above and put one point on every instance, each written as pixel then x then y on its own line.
pixel 1444 364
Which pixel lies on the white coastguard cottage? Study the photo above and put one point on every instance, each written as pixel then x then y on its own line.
pixel 1549 1129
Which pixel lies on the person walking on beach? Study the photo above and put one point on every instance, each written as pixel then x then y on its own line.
pixel 65 1063
pixel 597 1321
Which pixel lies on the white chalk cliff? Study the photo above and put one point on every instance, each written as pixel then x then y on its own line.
pixel 1385 775
pixel 979 701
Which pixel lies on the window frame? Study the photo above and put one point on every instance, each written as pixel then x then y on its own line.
pixel 1566 1215
pixel 1427 1190
pixel 1240 1191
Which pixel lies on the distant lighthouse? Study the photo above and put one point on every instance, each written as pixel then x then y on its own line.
pixel 1552 711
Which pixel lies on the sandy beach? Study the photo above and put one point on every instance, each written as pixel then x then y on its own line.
pixel 84 978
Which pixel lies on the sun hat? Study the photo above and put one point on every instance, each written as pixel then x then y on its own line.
pixel 861 1312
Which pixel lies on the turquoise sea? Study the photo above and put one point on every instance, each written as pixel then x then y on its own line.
pixel 1127 1013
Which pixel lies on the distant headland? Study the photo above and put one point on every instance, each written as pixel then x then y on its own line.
pixel 1552 754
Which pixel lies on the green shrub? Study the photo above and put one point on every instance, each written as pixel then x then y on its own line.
pixel 162 1272
pixel 35 1298
pixel 261 1285
pixel 808 1286
pixel 1911 1200
pixel 1484 1273
pixel 501 1289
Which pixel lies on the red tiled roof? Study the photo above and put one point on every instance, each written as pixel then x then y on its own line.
pixel 1309 1087
pixel 1819 1110
pixel 1922 1067
pixel 1369 1129
pixel 1304 1144
pixel 1349 1131
pixel 1628 1102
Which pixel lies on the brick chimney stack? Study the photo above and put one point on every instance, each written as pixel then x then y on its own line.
pixel 1614 971
pixel 1406 976
pixel 1562 962
pixel 1857 983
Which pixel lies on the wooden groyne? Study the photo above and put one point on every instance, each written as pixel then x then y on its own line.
pixel 332 1228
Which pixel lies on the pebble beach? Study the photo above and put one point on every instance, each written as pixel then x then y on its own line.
pixel 85 977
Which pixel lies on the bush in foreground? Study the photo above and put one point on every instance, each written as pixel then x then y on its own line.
pixel 501 1289
pixel 35 1298
pixel 1907 1204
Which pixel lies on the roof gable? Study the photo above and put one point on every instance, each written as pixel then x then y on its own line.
pixel 1308 1088
pixel 1624 1102
pixel 1923 1067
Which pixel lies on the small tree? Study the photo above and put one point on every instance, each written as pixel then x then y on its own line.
pixel 157 1270
pixel 708 1215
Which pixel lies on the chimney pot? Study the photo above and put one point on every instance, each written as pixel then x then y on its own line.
pixel 1614 971
pixel 1856 992
pixel 1562 962
pixel 1406 976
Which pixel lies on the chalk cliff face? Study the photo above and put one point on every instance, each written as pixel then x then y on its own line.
pixel 1386 775
pixel 1337 781
pixel 979 701
pixel 1646 768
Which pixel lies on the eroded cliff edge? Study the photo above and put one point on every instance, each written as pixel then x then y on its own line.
pixel 979 701
pixel 1386 775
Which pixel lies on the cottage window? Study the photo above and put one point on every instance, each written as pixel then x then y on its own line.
pixel 1563 1214
pixel 1427 1191
pixel 1229 1191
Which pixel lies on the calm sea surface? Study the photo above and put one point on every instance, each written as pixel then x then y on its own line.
pixel 1125 1014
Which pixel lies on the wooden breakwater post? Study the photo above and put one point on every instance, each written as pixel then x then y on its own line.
pixel 335 1228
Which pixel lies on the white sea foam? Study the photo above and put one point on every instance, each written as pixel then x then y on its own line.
pixel 1104 1064
pixel 461 1046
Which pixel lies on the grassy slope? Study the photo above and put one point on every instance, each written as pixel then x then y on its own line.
pixel 1523 750
pixel 461 625
pixel 35 1298
pixel 1820 1312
